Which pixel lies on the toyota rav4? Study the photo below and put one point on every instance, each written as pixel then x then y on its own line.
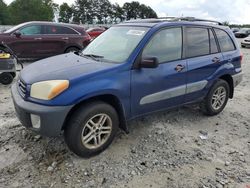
pixel 133 69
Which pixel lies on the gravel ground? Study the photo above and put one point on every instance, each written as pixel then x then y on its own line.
pixel 175 149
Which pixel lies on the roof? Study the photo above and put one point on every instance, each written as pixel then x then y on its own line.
pixel 53 23
pixel 155 21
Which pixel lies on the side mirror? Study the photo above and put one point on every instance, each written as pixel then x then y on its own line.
pixel 17 33
pixel 149 62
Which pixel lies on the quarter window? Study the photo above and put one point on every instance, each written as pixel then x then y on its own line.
pixel 226 43
pixel 166 45
pixel 197 42
pixel 59 30
pixel 32 30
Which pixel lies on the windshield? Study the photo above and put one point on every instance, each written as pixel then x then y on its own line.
pixel 116 44
pixel 14 28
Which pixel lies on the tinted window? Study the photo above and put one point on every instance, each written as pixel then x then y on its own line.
pixel 31 30
pixel 213 45
pixel 197 42
pixel 226 43
pixel 57 30
pixel 166 45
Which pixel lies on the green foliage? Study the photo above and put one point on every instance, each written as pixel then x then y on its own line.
pixel 102 11
pixel 31 10
pixel 225 23
pixel 65 13
pixel 4 14
pixel 84 11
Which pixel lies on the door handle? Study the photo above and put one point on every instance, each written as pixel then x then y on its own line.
pixel 39 38
pixel 179 68
pixel 65 38
pixel 216 60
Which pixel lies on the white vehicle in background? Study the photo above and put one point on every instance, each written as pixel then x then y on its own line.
pixel 245 42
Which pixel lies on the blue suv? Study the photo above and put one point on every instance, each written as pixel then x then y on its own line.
pixel 132 69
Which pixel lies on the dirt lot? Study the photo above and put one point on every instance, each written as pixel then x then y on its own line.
pixel 180 148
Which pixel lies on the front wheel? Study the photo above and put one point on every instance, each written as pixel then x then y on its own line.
pixel 216 99
pixel 91 129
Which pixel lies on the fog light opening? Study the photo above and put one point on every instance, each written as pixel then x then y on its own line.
pixel 35 121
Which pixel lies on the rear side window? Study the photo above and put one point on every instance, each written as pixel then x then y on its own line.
pixel 213 45
pixel 166 45
pixel 225 42
pixel 197 42
pixel 59 30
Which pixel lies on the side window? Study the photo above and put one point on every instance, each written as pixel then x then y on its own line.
pixel 213 45
pixel 166 45
pixel 197 42
pixel 31 30
pixel 226 43
pixel 58 30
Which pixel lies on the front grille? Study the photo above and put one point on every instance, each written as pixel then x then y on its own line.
pixel 247 40
pixel 22 88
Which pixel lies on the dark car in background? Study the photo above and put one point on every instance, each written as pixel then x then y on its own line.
pixel 96 31
pixel 242 33
pixel 44 39
pixel 235 29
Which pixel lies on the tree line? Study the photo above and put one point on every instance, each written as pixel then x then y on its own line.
pixel 82 11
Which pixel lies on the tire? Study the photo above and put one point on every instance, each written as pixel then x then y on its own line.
pixel 6 78
pixel 80 124
pixel 72 49
pixel 209 106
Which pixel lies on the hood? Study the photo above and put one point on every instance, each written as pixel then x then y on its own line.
pixel 66 66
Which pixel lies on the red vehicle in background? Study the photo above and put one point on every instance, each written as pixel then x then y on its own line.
pixel 96 31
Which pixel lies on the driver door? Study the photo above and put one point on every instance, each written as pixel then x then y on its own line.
pixel 154 89
pixel 26 45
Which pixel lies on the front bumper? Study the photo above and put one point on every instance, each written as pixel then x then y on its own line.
pixel 51 117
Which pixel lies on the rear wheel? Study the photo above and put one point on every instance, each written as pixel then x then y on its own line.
pixel 6 78
pixel 91 129
pixel 216 99
pixel 72 49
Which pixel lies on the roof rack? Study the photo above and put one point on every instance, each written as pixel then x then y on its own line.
pixel 172 18
pixel 193 19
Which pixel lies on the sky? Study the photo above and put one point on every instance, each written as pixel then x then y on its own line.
pixel 234 11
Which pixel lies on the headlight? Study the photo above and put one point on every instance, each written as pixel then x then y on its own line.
pixel 47 90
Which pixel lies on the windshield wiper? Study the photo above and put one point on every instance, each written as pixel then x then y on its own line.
pixel 93 56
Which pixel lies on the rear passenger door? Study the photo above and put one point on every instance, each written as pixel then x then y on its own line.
pixel 57 39
pixel 203 59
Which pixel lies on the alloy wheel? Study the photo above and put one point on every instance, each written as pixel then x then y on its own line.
pixel 96 131
pixel 219 98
